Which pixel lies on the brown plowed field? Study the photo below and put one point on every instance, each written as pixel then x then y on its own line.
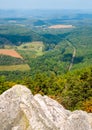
pixel 9 52
pixel 61 26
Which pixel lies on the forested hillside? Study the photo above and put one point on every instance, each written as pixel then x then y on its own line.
pixel 73 90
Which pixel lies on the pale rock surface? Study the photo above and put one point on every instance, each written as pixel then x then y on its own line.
pixel 20 110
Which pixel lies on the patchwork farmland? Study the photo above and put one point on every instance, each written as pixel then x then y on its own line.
pixel 11 60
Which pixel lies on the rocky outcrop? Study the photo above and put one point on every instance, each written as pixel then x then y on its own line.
pixel 20 110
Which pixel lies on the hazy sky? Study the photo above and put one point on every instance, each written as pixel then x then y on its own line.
pixel 45 4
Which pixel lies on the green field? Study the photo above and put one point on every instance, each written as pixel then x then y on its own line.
pixel 31 46
pixel 23 67
pixel 31 50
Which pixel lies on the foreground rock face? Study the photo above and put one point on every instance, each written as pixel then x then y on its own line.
pixel 20 110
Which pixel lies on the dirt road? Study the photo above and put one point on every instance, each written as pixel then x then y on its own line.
pixel 73 55
pixel 72 60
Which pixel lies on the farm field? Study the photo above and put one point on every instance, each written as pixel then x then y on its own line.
pixel 31 49
pixel 11 60
pixel 61 26
pixel 10 52
pixel 31 46
pixel 23 67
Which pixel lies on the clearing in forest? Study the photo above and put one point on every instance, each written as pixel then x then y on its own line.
pixel 22 67
pixel 31 49
pixel 10 52
pixel 61 26
pixel 36 46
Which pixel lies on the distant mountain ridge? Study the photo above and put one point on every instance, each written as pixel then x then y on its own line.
pixel 41 13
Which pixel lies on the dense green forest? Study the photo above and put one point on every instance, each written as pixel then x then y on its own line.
pixel 59 61
pixel 73 89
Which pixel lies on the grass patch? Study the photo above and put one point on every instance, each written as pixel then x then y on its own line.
pixel 23 67
pixel 32 48
pixel 37 46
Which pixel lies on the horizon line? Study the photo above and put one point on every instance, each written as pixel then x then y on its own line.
pixel 42 9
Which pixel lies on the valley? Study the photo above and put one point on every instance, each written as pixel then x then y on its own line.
pixel 51 54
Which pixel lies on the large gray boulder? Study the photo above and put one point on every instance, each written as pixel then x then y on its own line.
pixel 20 110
